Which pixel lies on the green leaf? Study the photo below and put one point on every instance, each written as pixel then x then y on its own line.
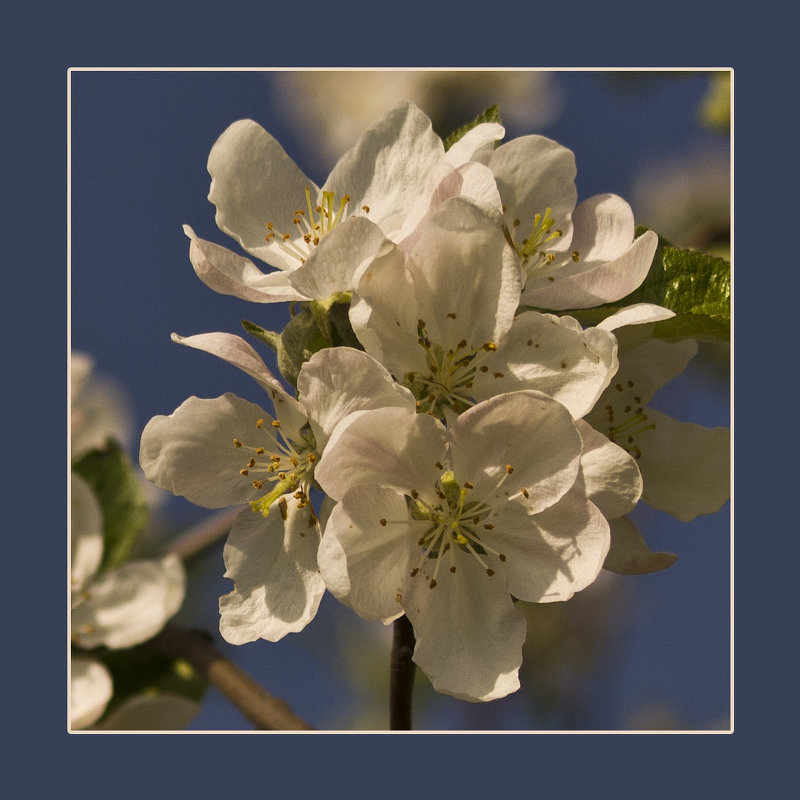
pixel 492 114
pixel 695 285
pixel 110 474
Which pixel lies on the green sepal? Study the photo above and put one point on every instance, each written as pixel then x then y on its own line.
pixel 141 670
pixel 110 474
pixel 270 338
pixel 492 114
pixel 300 339
pixel 332 316
pixel 695 285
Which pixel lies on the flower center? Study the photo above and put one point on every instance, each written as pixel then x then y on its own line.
pixel 450 374
pixel 539 236
pixel 455 520
pixel 625 418
pixel 275 461
pixel 311 224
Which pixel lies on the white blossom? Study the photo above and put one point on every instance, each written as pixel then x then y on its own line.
pixel 447 525
pixel 228 451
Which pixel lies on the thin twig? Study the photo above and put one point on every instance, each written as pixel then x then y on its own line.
pixel 401 675
pixel 262 709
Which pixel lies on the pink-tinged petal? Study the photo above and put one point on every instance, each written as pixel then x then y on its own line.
pixel 241 354
pixel 489 451
pixel 272 562
pixel 686 467
pixel 587 284
pixel 388 168
pixel 469 635
pixel 130 604
pixel 236 351
pixel 472 181
pixel 192 451
pixel 254 182
pixel 337 381
pixel 629 553
pixel 227 272
pixel 90 689
pixel 367 550
pixel 552 555
pixel 389 447
pixel 611 476
pixel 553 355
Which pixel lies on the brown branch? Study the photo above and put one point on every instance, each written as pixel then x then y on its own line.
pixel 401 675
pixel 262 709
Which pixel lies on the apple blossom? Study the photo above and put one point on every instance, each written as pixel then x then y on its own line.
pixel 228 451
pixel 381 187
pixel 573 257
pixel 685 466
pixel 448 524
pixel 442 318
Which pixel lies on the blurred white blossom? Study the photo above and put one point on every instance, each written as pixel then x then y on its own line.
pixel 330 108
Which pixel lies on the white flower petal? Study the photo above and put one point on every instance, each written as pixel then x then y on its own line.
pixel 685 467
pixel 469 635
pixel 603 228
pixel 552 355
pixel 384 313
pixel 332 264
pixel 534 173
pixel 227 272
pixel 273 563
pixel 636 314
pixel 489 452
pixel 241 354
pixel 130 604
pixel 90 689
pixel 477 144
pixel 390 447
pixel 629 553
pixel 552 555
pixel 364 562
pixel 643 370
pixel 587 284
pixel 337 381
pixel 389 166
pixel 253 183
pixel 86 533
pixel 466 277
pixel 611 477
pixel 191 452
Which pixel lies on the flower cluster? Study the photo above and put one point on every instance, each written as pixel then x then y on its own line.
pixel 475 445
